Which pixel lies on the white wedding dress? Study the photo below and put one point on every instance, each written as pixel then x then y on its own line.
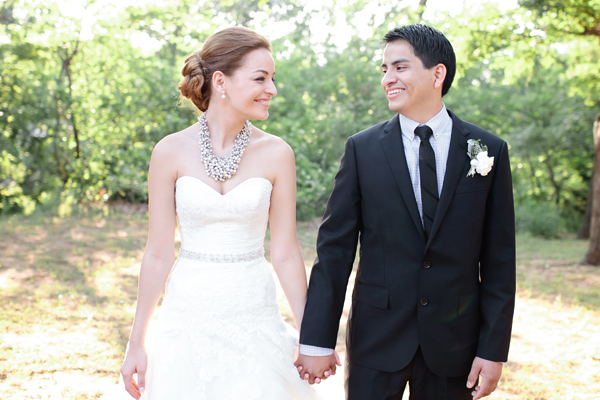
pixel 220 335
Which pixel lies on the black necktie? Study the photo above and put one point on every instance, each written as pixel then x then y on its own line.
pixel 429 187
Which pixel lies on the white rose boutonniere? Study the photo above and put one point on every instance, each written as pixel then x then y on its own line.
pixel 481 163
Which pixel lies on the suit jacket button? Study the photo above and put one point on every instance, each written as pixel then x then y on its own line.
pixel 424 302
pixel 426 264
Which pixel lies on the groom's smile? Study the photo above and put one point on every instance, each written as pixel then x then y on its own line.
pixel 408 85
pixel 391 93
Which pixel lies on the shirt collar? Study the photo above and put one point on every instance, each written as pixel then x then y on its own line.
pixel 437 124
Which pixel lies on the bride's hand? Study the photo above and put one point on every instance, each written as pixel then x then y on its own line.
pixel 136 361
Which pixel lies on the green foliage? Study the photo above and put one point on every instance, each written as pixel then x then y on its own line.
pixel 547 130
pixel 539 219
pixel 541 77
pixel 318 106
pixel 572 25
pixel 314 186
pixel 81 108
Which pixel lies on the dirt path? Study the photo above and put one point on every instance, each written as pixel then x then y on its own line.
pixel 68 288
pixel 555 353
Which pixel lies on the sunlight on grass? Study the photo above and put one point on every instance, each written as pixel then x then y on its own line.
pixel 66 286
pixel 68 290
pixel 550 268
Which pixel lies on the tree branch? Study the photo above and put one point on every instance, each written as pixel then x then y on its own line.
pixel 422 7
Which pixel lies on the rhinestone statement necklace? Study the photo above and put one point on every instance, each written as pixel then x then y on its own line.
pixel 222 168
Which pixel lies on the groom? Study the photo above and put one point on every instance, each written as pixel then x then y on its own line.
pixel 434 293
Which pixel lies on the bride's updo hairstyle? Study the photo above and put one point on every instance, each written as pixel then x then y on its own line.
pixel 223 51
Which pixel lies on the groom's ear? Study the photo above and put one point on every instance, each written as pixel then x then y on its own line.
pixel 439 73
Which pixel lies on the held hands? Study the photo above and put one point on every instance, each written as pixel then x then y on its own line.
pixel 316 368
pixel 136 361
pixel 490 372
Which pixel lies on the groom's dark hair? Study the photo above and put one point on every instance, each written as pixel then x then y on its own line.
pixel 430 45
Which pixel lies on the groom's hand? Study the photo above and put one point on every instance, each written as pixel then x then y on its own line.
pixel 315 368
pixel 490 372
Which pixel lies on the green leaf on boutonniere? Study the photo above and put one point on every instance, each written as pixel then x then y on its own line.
pixel 474 147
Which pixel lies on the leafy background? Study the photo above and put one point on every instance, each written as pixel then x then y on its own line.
pixel 89 87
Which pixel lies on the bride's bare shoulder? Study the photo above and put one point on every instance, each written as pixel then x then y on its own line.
pixel 176 144
pixel 272 146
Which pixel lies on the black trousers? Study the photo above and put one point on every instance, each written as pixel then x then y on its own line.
pixel 368 384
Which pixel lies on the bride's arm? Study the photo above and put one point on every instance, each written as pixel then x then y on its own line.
pixel 285 251
pixel 156 263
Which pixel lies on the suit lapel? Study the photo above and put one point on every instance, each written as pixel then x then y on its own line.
pixel 394 152
pixel 457 158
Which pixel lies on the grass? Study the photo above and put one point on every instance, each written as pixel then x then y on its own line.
pixel 549 268
pixel 68 291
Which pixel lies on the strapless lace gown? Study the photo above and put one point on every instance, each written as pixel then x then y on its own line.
pixel 220 335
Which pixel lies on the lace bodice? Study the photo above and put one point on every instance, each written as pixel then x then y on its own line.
pixel 213 223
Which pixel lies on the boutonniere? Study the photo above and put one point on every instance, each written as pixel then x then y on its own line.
pixel 480 162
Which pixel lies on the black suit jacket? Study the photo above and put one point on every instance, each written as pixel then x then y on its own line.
pixel 452 294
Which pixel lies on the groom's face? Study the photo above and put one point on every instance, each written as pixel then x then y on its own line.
pixel 408 85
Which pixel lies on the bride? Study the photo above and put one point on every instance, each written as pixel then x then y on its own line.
pixel 220 334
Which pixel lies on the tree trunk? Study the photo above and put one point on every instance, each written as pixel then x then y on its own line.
pixel 553 181
pixel 535 181
pixel 584 229
pixel 422 5
pixel 67 71
pixel 593 255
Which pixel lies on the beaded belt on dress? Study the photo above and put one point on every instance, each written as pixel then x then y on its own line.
pixel 222 258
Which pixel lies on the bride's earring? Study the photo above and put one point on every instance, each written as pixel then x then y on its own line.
pixel 223 94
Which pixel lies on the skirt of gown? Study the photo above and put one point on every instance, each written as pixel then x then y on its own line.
pixel 220 336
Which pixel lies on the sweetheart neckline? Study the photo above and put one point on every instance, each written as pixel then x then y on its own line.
pixel 231 190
